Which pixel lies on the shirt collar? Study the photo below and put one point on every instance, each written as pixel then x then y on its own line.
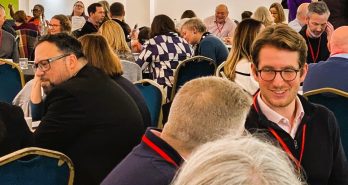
pixel 341 55
pixel 280 120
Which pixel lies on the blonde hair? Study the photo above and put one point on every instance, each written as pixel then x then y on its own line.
pixel 205 109
pixel 264 15
pixel 237 160
pixel 100 55
pixel 243 38
pixel 114 35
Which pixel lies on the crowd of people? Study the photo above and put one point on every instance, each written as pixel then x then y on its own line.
pixel 250 126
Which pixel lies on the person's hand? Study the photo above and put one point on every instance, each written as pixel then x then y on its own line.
pixel 228 40
pixel 10 6
pixel 329 30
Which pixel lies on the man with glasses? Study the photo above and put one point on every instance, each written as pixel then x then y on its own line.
pixel 314 32
pixel 308 133
pixel 86 115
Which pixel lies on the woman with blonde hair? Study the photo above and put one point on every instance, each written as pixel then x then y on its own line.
pixel 238 64
pixel 277 13
pixel 264 15
pixel 100 55
pixel 115 37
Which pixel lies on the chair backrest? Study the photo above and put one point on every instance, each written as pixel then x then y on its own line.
pixel 27 41
pixel 192 68
pixel 36 166
pixel 154 98
pixel 220 70
pixel 11 80
pixel 337 101
pixel 131 71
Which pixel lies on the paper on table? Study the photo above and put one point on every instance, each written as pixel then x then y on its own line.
pixel 77 22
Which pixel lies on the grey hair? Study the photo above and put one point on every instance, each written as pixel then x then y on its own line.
pixel 319 7
pixel 237 160
pixel 205 109
pixel 195 24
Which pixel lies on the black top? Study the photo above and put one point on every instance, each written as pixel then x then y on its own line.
pixel 126 29
pixel 324 161
pixel 93 121
pixel 138 98
pixel 87 28
pixel 14 131
pixel 314 43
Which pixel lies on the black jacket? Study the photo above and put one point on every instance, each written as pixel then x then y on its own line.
pixel 92 120
pixel 323 161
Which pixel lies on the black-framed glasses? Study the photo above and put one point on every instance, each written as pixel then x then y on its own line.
pixel 286 74
pixel 44 65
pixel 35 10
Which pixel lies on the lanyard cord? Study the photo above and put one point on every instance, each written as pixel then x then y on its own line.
pixel 314 55
pixel 286 148
pixel 159 151
pixel 219 28
pixel 283 144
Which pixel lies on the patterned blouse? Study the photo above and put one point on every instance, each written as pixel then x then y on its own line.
pixel 161 55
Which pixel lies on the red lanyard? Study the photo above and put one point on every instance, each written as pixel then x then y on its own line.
pixel 286 148
pixel 283 144
pixel 219 28
pixel 159 151
pixel 314 56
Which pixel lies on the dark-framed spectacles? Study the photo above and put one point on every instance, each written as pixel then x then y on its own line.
pixel 286 74
pixel 44 65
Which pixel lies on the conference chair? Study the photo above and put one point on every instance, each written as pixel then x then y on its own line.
pixel 192 68
pixel 36 166
pixel 11 80
pixel 220 70
pixel 131 71
pixel 337 101
pixel 154 98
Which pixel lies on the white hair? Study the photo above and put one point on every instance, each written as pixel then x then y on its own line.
pixel 237 161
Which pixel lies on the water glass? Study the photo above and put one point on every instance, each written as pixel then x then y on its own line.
pixel 23 63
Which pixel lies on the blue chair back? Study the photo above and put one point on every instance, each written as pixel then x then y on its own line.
pixel 192 68
pixel 337 101
pixel 36 166
pixel 154 98
pixel 11 80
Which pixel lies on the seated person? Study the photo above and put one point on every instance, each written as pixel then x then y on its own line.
pixel 163 52
pixel 86 115
pixel 206 44
pixel 203 110
pixel 21 22
pixel 14 131
pixel 235 161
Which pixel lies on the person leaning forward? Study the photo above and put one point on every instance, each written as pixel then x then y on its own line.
pixel 87 116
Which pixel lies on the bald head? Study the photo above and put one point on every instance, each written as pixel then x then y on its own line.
pixel 221 13
pixel 302 11
pixel 339 41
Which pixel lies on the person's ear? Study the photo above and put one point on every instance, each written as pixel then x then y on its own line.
pixel 303 72
pixel 254 72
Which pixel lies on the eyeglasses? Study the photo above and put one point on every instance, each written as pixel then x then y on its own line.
pixel 44 65
pixel 286 74
pixel 53 25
